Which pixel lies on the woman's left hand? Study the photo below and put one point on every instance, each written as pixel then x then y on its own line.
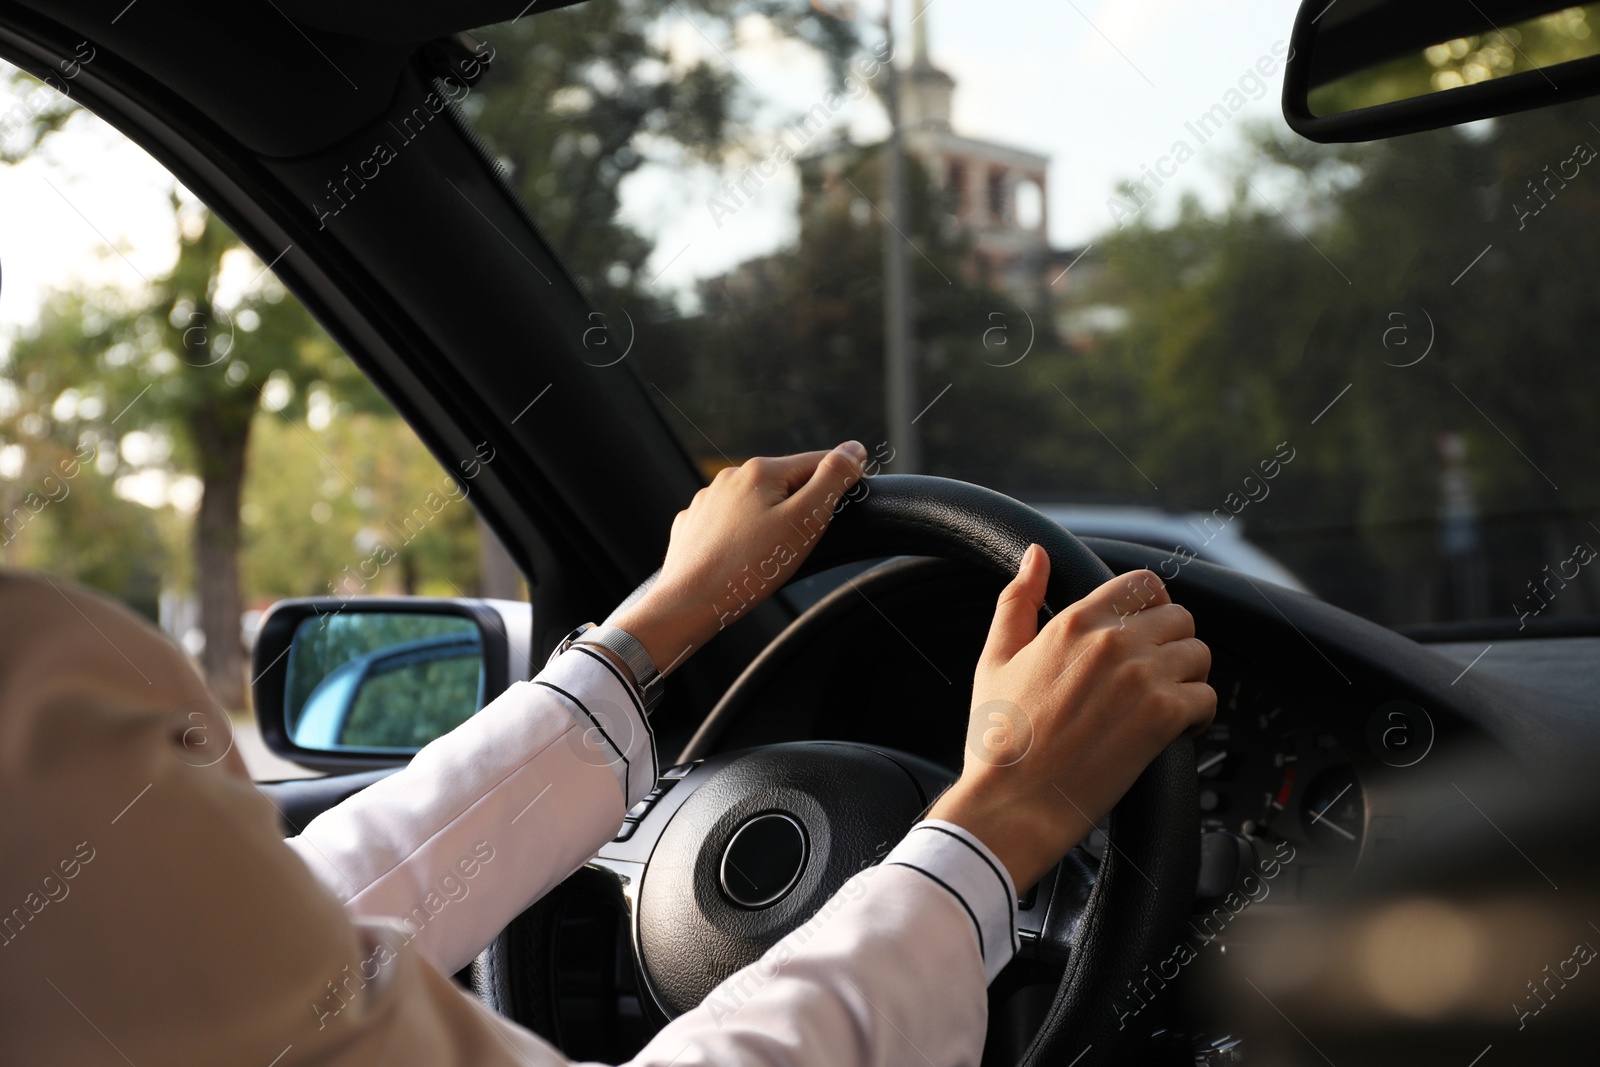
pixel 739 540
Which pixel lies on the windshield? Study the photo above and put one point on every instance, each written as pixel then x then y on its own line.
pixel 1090 267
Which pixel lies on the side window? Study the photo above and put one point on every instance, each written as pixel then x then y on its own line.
pixel 176 430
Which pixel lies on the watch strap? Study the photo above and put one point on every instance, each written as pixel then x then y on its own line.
pixel 646 678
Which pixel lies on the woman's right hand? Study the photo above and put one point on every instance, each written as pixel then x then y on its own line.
pixel 1065 718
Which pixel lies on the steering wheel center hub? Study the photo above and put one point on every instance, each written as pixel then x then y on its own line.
pixel 756 851
pixel 764 860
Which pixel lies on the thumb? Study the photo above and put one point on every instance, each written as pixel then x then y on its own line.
pixel 1016 617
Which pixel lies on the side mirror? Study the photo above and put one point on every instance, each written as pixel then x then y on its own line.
pixel 1361 70
pixel 364 682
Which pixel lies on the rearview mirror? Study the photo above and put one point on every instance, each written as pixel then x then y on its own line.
pixel 1360 70
pixel 362 682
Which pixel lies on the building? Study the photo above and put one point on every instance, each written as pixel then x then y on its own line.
pixel 996 194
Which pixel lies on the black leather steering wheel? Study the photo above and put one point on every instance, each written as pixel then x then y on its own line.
pixel 829 808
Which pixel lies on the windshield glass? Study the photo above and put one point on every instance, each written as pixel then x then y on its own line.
pixel 1104 277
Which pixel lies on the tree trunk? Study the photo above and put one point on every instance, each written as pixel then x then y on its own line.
pixel 223 443
pixel 408 574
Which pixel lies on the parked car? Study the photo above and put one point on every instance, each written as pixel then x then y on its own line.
pixel 388 698
pixel 1199 533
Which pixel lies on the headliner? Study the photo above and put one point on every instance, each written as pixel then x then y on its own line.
pixel 254 68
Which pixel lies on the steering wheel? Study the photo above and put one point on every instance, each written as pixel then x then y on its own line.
pixel 734 851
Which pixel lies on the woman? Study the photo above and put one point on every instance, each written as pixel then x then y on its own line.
pixel 155 915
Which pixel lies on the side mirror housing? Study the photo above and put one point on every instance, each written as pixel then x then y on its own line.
pixel 349 684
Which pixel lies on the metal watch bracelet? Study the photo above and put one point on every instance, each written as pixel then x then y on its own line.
pixel 644 676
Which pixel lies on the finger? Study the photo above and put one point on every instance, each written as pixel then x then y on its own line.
pixel 783 474
pixel 1128 593
pixel 1016 616
pixel 1160 624
pixel 1199 701
pixel 1185 660
pixel 831 473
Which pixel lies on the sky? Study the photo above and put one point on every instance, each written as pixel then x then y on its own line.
pixel 91 210
pixel 1104 87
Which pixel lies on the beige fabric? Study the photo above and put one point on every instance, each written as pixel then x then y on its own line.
pixel 186 933
pixel 151 914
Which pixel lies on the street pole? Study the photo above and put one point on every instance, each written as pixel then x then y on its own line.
pixel 900 386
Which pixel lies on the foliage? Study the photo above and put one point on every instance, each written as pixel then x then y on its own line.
pixel 187 374
pixel 41 109
pixel 577 101
pixel 61 515
pixel 1244 326
pixel 408 707
pixel 309 536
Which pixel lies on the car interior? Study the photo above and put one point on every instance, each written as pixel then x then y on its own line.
pixel 1381 850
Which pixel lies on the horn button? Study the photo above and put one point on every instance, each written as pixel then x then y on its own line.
pixel 764 860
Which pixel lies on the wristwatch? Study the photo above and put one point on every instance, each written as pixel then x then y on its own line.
pixel 620 643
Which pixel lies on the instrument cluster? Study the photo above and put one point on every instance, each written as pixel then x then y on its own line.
pixel 1271 772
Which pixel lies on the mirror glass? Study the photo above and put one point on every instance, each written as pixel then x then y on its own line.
pixel 381 680
pixel 1509 47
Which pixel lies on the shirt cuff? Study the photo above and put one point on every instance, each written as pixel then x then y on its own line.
pixel 616 732
pixel 956 860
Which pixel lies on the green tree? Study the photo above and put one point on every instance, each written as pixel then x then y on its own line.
pixel 177 366
pixel 60 513
pixel 376 485
pixel 1243 325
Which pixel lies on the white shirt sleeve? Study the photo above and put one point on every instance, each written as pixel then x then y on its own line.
pixel 955 860
pixel 890 972
pixel 501 809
